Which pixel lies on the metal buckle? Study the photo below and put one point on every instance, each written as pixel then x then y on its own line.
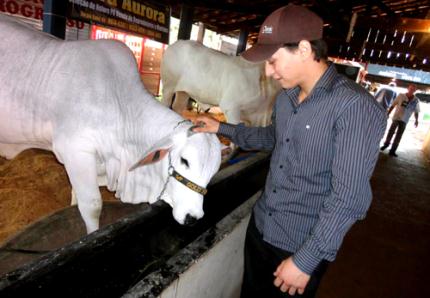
pixel 170 170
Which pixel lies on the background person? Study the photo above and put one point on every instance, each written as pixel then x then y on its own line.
pixel 405 105
pixel 386 95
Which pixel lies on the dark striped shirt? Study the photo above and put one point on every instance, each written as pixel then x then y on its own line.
pixel 324 151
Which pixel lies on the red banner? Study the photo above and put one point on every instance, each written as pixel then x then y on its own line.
pixel 31 9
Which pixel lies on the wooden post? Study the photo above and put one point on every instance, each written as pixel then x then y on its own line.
pixel 186 22
pixel 54 17
pixel 243 38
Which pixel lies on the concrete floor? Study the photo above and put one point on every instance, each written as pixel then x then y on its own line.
pixel 388 254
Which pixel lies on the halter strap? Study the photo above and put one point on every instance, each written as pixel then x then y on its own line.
pixel 191 185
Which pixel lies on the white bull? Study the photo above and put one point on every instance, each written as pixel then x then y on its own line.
pixel 84 100
pixel 240 88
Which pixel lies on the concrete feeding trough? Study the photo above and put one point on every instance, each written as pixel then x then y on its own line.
pixel 54 232
pixel 134 241
pixel 210 266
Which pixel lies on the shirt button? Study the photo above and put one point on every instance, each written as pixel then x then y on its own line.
pixel 295 112
pixel 270 213
pixel 287 140
pixel 274 191
pixel 281 166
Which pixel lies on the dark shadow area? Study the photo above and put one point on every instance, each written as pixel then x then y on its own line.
pixel 387 254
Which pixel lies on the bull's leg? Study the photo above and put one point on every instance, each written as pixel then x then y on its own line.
pixel 82 171
pixel 102 180
pixel 74 201
pixel 204 107
pixel 181 102
pixel 232 114
pixel 167 97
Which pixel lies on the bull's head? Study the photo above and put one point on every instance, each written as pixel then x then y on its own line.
pixel 187 162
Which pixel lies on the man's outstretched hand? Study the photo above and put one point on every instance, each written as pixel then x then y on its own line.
pixel 206 124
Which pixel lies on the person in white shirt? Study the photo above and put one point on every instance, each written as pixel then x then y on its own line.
pixel 405 105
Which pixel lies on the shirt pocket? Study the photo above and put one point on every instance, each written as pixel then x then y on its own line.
pixel 314 143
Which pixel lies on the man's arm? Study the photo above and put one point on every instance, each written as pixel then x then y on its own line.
pixel 393 105
pixel 416 114
pixel 356 146
pixel 248 138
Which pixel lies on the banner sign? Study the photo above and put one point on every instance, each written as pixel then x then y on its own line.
pixel 143 18
pixel 30 9
pixel 410 75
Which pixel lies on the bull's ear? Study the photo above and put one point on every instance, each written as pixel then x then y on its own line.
pixel 150 158
pixel 160 149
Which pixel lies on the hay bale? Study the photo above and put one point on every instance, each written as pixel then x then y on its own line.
pixel 32 185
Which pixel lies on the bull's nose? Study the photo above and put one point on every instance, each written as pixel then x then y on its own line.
pixel 189 220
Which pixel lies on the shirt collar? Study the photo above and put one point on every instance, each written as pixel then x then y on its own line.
pixel 328 78
pixel 326 82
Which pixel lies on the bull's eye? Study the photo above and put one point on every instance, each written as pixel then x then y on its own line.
pixel 185 162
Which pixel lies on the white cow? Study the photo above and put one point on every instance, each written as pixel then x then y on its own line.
pixel 85 101
pixel 240 88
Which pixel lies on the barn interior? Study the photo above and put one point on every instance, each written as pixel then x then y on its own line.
pixel 352 29
pixel 385 255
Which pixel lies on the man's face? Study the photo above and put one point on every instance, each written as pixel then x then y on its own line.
pixel 285 66
pixel 412 89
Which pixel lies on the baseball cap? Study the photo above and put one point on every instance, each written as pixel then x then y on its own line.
pixel 288 24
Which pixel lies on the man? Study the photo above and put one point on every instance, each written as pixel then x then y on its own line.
pixel 324 139
pixel 385 96
pixel 405 105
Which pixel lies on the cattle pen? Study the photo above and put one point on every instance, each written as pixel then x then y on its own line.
pixel 131 257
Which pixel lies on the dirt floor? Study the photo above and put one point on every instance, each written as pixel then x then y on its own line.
pixel 387 254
